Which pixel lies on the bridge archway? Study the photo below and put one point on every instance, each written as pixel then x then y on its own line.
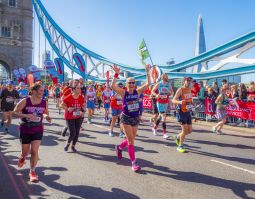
pixel 5 72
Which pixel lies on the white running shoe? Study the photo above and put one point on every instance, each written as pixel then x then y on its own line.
pixel 213 129
pixel 154 131
pixel 110 133
pixel 165 136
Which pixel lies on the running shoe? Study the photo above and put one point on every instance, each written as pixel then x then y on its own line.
pixel 135 167
pixel 110 133
pixel 66 147
pixel 219 132
pixel 181 149
pixel 177 140
pixel 6 130
pixel 74 149
pixel 121 135
pixel 33 176
pixel 165 136
pixel 154 131
pixel 213 129
pixel 89 121
pixel 21 161
pixel 118 152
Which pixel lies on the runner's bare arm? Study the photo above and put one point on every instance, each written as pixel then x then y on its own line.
pixel 117 89
pixel 148 81
pixel 218 99
pixel 46 113
pixel 18 108
pixel 154 89
pixel 177 97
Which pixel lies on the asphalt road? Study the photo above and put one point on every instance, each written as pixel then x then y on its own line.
pixel 214 166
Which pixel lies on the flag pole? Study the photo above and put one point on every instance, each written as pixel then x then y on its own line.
pixel 149 52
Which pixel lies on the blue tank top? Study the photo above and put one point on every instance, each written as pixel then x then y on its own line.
pixel 131 104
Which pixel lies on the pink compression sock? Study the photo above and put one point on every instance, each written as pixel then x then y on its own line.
pixel 131 152
pixel 123 144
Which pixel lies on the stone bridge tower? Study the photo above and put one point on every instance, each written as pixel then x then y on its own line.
pixel 16 36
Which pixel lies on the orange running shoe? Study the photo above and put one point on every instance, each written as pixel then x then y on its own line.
pixel 21 161
pixel 33 176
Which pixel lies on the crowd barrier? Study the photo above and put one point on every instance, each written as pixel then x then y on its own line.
pixel 240 113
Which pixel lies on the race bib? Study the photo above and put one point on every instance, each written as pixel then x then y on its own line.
pixel 91 99
pixel 76 113
pixel 107 101
pixel 133 107
pixel 163 96
pixel 189 106
pixel 119 102
pixel 9 100
pixel 37 119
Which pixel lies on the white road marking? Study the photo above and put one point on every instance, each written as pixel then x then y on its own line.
pixel 235 167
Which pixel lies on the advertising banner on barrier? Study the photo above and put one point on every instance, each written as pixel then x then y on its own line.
pixel 240 109
pixel 147 102
pixel 35 72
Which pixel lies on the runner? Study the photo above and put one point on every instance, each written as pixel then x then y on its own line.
pixel 23 92
pixel 8 99
pixel 74 115
pixel 46 93
pixel 164 91
pixel 130 114
pixel 183 100
pixel 106 100
pixel 222 102
pixel 99 96
pixel 116 106
pixel 57 94
pixel 91 96
pixel 140 107
pixel 31 111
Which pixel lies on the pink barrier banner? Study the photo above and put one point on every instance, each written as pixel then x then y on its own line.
pixel 240 109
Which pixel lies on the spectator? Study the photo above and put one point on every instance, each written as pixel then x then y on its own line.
pixel 251 91
pixel 201 94
pixel 242 92
pixel 216 88
pixel 195 88
pixel 233 92
pixel 212 95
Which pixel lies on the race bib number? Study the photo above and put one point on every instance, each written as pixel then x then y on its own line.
pixel 133 107
pixel 76 113
pixel 189 106
pixel 91 99
pixel 163 96
pixel 9 100
pixel 37 119
pixel 107 101
pixel 119 102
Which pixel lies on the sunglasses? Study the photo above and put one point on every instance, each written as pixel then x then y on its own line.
pixel 131 82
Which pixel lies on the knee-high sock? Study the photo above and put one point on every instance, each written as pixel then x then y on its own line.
pixel 123 144
pixel 131 152
pixel 164 127
pixel 157 123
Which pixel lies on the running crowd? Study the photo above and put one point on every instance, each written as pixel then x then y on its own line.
pixel 78 102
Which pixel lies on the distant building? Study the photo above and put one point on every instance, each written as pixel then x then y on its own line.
pixel 16 36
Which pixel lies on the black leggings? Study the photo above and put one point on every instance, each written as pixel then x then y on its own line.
pixel 74 127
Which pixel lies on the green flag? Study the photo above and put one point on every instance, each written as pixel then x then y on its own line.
pixel 143 51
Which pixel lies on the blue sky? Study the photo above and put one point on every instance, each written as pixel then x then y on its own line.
pixel 114 28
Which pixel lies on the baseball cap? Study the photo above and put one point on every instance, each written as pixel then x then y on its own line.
pixel 10 82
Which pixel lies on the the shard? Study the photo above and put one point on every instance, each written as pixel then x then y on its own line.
pixel 200 43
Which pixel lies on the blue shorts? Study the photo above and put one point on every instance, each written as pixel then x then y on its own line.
pixel 116 112
pixel 162 108
pixel 184 117
pixel 91 104
pixel 107 105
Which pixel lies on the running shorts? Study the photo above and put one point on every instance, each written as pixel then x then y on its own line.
pixel 162 108
pixel 132 121
pixel 91 104
pixel 116 112
pixel 184 117
pixel 106 105
pixel 26 138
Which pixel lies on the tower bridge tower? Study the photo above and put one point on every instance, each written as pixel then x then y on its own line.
pixel 16 35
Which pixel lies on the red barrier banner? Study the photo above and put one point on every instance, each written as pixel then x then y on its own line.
pixel 209 107
pixel 147 102
pixel 240 109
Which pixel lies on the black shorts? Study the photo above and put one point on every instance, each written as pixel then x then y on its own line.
pixel 184 117
pixel 57 95
pixel 154 106
pixel 28 138
pixel 132 121
pixel 7 107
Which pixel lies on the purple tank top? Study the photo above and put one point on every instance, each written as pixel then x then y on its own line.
pixel 28 126
pixel 131 104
